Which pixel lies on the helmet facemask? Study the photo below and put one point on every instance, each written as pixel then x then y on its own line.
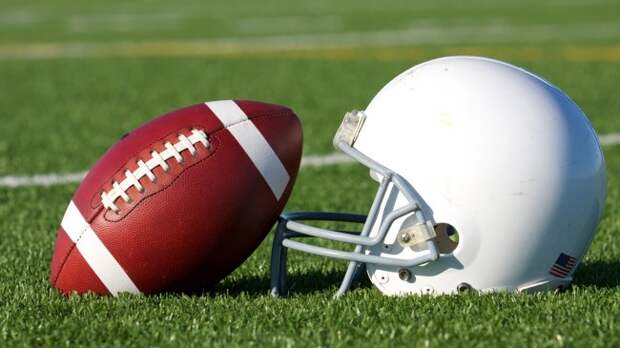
pixel 417 232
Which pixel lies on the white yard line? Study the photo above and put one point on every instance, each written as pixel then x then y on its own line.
pixel 40 180
pixel 417 34
pixel 53 179
pixel 316 161
pixel 610 139
pixel 326 160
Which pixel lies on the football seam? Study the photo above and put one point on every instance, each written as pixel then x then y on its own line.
pixel 105 211
pixel 120 168
pixel 214 134
pixel 285 112
pixel 95 201
pixel 64 260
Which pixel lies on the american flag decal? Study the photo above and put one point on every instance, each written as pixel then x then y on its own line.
pixel 563 265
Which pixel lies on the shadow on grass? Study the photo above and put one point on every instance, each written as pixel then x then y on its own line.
pixel 304 283
pixel 601 274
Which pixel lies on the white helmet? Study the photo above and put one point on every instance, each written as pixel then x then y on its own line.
pixel 492 179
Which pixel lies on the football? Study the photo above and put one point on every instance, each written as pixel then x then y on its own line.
pixel 180 202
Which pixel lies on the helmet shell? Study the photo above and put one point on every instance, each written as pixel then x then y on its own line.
pixel 500 154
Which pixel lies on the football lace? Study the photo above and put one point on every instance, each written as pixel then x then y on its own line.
pixel 158 159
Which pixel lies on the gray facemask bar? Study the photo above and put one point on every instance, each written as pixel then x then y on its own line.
pixel 288 228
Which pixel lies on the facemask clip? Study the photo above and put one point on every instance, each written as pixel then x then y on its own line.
pixel 414 232
pixel 349 128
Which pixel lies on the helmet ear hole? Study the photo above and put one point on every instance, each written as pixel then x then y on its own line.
pixel 447 238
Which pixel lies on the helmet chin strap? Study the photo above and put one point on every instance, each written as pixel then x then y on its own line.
pixel 419 230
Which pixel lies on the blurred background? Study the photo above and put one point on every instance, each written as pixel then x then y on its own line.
pixel 76 75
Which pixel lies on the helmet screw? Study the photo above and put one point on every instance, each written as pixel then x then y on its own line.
pixel 463 287
pixel 405 238
pixel 404 274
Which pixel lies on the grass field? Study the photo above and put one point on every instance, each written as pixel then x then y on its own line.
pixel 74 77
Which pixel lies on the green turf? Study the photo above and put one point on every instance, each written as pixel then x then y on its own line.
pixel 63 20
pixel 59 115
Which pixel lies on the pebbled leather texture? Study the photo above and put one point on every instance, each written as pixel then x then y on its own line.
pixel 197 222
